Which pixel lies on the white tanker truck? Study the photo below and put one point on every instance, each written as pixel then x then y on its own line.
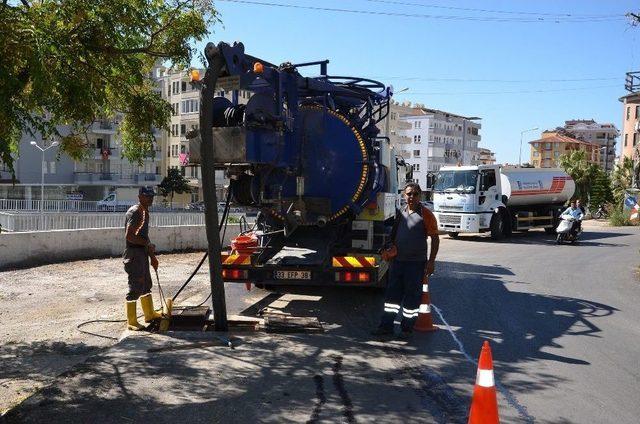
pixel 476 199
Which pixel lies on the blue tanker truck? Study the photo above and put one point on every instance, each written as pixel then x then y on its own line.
pixel 308 153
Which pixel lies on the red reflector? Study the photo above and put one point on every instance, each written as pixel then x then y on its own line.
pixel 235 274
pixel 352 277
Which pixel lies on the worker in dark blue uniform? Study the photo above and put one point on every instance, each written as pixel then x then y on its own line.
pixel 409 268
pixel 137 253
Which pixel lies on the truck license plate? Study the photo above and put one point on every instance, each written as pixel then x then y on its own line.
pixel 293 275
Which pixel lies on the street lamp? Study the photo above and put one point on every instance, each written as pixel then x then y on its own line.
pixel 521 134
pixel 54 144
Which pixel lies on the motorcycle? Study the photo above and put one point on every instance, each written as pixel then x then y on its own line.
pixel 602 212
pixel 565 230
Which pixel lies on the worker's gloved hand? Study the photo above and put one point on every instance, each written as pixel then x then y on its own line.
pixel 154 262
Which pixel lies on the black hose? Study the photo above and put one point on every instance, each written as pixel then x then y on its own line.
pixel 222 223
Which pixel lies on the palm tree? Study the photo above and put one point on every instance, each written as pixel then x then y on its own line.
pixel 622 179
pixel 583 173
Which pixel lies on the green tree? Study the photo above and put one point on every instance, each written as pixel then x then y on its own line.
pixel 600 190
pixel 622 178
pixel 71 62
pixel 173 183
pixel 583 173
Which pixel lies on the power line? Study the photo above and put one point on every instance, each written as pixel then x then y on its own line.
pixel 492 80
pixel 427 16
pixel 509 12
pixel 507 92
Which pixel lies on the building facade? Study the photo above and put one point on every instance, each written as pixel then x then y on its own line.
pixel 604 135
pixel 630 125
pixel 101 172
pixel 486 156
pixel 546 152
pixel 438 138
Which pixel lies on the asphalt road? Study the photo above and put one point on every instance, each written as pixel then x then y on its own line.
pixel 562 321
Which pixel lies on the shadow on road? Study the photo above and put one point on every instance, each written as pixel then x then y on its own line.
pixel 308 377
pixel 587 238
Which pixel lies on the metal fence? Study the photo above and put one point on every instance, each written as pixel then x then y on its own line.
pixel 74 206
pixel 20 222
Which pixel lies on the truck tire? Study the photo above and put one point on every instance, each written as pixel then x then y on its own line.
pixel 508 226
pixel 497 226
pixel 453 235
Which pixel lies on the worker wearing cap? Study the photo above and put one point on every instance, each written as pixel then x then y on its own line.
pixel 414 223
pixel 137 253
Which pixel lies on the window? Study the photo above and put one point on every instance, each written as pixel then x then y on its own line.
pixel 416 167
pixel 536 154
pixel 637 111
pixel 547 145
pixel 183 129
pixel 44 167
pixel 184 86
pixel 556 154
pixel 488 179
pixel 419 137
pixel 416 153
pixel 635 138
pixel 625 140
pixel 628 112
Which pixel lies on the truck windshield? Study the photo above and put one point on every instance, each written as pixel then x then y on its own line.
pixel 456 181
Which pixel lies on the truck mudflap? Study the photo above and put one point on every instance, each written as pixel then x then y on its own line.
pixel 352 271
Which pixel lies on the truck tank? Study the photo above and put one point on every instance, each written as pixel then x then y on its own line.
pixel 536 186
pixel 306 151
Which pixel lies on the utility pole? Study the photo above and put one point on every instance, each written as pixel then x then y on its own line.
pixel 215 63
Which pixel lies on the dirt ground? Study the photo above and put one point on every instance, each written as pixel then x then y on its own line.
pixel 40 308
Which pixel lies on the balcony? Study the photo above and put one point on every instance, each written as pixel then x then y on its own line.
pixel 403 125
pixel 114 178
pixel 103 127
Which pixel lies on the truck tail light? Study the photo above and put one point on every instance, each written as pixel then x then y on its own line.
pixel 353 276
pixel 235 274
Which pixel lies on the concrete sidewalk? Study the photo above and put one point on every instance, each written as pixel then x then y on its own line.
pixel 190 377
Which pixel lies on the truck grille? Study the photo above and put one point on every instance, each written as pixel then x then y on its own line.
pixel 450 219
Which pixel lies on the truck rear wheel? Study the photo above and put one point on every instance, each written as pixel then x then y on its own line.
pixel 497 226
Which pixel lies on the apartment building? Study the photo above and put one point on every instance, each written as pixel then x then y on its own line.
pixel 630 125
pixel 546 151
pixel 91 179
pixel 604 135
pixel 438 138
pixel 486 156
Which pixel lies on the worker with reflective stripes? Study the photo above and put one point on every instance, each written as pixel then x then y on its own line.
pixel 414 223
pixel 137 253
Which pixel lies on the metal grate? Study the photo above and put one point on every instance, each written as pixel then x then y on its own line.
pixel 450 219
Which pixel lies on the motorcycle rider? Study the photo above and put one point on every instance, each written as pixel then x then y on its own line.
pixel 576 213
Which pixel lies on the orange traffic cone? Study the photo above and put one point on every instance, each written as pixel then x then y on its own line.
pixel 484 405
pixel 425 320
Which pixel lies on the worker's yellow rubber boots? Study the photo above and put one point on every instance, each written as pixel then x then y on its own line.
pixel 132 319
pixel 147 307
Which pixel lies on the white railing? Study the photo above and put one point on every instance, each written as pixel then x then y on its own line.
pixel 20 222
pixel 73 206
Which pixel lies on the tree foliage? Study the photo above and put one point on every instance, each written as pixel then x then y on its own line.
pixel 622 179
pixel 71 62
pixel 600 190
pixel 173 183
pixel 583 173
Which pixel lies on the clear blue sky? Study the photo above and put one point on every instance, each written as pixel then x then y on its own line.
pixel 422 53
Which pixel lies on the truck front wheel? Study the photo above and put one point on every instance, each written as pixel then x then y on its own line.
pixel 453 235
pixel 497 226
